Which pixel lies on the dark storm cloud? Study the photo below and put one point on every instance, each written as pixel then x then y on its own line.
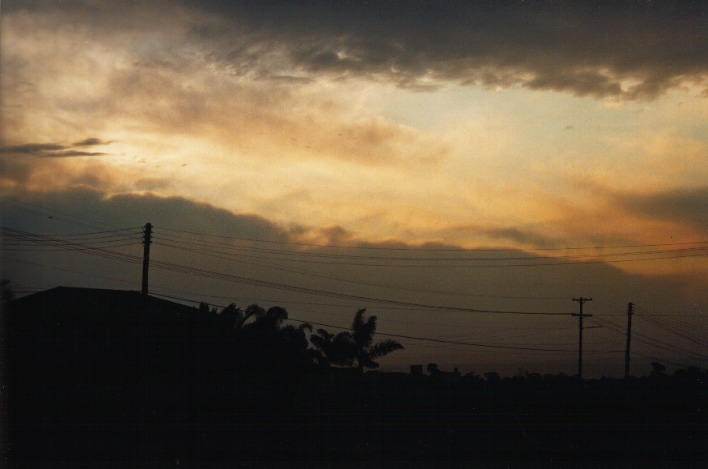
pixel 634 50
pixel 687 206
pixel 181 212
pixel 96 207
pixel 54 150
pixel 585 48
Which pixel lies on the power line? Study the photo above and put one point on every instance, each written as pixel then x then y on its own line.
pixel 92 275
pixel 426 339
pixel 447 262
pixel 348 280
pixel 641 339
pixel 580 315
pixel 437 262
pixel 420 248
pixel 685 332
pixel 280 286
pixel 177 268
pixel 96 243
pixel 69 245
pixel 78 220
pixel 401 336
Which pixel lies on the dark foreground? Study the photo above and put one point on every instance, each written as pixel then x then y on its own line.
pixel 525 421
pixel 161 394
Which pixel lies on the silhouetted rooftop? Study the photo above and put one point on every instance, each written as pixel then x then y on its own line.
pixel 96 303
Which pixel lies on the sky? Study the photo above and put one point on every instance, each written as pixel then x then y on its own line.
pixel 461 169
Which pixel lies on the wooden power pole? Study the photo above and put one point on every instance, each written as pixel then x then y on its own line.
pixel 147 239
pixel 580 316
pixel 630 311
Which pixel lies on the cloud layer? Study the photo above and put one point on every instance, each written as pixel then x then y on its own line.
pixel 634 50
pixel 276 108
pixel 629 49
pixel 54 150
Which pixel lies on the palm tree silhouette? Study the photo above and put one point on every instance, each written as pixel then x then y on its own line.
pixel 333 349
pixel 365 350
pixel 355 348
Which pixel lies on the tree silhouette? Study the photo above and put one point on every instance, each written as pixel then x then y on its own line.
pixel 333 349
pixel 264 342
pixel 365 350
pixel 6 293
pixel 270 320
pixel 657 370
pixel 230 316
pixel 353 348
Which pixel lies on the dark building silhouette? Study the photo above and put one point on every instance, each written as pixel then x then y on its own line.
pixel 83 365
pixel 95 304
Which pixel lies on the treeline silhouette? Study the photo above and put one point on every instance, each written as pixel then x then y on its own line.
pixel 100 376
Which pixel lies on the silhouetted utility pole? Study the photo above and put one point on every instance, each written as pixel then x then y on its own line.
pixel 580 316
pixel 630 310
pixel 147 239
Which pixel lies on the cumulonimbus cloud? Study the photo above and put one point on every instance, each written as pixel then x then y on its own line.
pixel 628 50
pixel 621 49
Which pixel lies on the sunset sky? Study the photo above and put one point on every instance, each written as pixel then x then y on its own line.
pixel 435 154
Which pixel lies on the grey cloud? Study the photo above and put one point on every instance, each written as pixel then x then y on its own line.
pixel 32 148
pixel 91 141
pixel 19 162
pixel 537 236
pixel 632 50
pixel 579 83
pixel 176 211
pixel 687 206
pixel 289 79
pixel 542 237
pixel 520 236
pixel 70 153
pixel 580 48
pixel 53 150
pixel 336 235
pixel 135 210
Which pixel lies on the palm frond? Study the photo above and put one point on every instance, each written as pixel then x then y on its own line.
pixel 358 320
pixel 383 348
pixel 363 332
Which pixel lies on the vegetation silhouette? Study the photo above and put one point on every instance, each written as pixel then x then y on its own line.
pixel 99 376
pixel 353 348
pixel 6 294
